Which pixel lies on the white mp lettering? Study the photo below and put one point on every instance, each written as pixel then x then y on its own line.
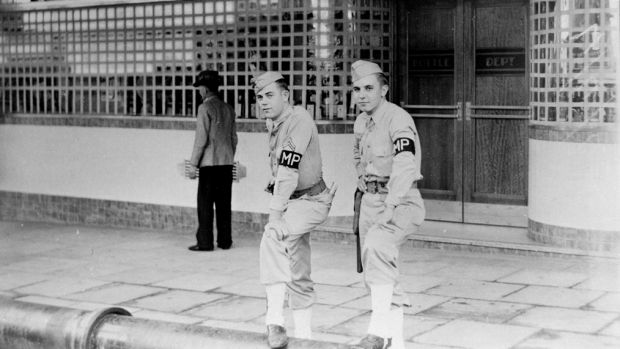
pixel 401 144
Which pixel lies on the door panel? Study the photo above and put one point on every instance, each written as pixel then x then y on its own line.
pixel 466 87
pixel 495 175
pixel 432 90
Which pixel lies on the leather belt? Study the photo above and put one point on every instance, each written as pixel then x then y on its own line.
pixel 312 191
pixel 380 187
pixel 376 187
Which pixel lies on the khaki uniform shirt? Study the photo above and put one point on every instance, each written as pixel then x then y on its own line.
pixel 374 153
pixel 215 142
pixel 295 131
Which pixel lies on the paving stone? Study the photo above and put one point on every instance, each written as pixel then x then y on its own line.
pixel 43 265
pixel 334 295
pixel 419 283
pixel 414 345
pixel 114 293
pixel 325 317
pixel 60 287
pixel 95 306
pixel 141 276
pixel 336 277
pixel 474 289
pixel 543 277
pixel 175 301
pixel 554 296
pixel 609 302
pixel 164 316
pixel 476 335
pixel 612 330
pixel 8 294
pixel 602 282
pixel 57 302
pixel 233 308
pixel 476 310
pixel 93 269
pixel 236 325
pixel 419 302
pixel 414 267
pixel 13 279
pixel 474 271
pixel 565 340
pixel 413 325
pixel 199 281
pixel 250 287
pixel 565 319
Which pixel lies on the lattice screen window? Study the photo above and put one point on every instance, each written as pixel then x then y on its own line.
pixel 140 58
pixel 575 51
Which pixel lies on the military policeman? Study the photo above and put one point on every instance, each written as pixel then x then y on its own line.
pixel 300 201
pixel 387 158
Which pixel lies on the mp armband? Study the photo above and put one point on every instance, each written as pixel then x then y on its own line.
pixel 404 144
pixel 290 159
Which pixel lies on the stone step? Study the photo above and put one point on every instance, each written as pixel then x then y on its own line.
pixel 465 237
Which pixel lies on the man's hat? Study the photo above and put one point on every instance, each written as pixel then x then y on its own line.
pixel 361 69
pixel 207 77
pixel 263 79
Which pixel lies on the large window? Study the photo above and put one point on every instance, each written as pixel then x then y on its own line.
pixel 140 58
pixel 574 57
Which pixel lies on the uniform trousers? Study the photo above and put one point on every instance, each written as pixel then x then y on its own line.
pixel 214 189
pixel 288 260
pixel 381 242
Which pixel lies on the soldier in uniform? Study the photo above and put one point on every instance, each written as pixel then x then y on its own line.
pixel 213 153
pixel 387 158
pixel 300 201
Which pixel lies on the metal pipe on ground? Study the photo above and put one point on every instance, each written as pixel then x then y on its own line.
pixel 34 326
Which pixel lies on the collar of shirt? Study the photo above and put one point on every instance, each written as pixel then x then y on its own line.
pixel 379 112
pixel 275 124
pixel 208 98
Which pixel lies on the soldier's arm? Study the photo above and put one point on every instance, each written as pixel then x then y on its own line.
pixel 293 149
pixel 404 166
pixel 358 130
pixel 201 136
pixel 235 140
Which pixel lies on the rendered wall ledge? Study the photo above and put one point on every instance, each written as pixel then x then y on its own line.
pixel 154 122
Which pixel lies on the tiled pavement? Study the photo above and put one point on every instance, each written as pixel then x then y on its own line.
pixel 460 299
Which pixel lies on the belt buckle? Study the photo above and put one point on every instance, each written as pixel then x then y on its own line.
pixel 372 187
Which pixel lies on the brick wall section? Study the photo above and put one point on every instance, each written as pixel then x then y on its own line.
pixel 605 134
pixel 17 206
pixel 583 239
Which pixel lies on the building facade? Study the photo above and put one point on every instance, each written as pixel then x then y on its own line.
pixel 515 102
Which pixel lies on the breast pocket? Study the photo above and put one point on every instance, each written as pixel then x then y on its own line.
pixel 382 157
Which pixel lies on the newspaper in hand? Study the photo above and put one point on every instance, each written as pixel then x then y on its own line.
pixel 185 169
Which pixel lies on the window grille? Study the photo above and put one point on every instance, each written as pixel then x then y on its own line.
pixel 574 61
pixel 140 58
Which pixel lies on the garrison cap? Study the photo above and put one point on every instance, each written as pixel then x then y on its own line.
pixel 265 78
pixel 206 77
pixel 361 69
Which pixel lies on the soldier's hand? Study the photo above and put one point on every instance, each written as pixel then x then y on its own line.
pixel 361 183
pixel 275 216
pixel 270 186
pixel 333 189
pixel 387 214
pixel 275 230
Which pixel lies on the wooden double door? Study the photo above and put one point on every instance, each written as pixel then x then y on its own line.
pixel 463 76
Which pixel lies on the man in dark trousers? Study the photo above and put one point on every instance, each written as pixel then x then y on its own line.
pixel 214 151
